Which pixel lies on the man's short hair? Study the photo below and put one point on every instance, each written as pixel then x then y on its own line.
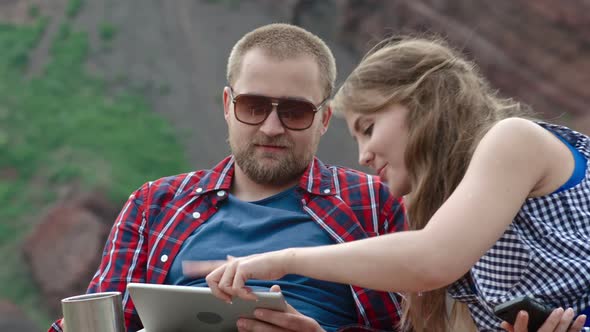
pixel 284 41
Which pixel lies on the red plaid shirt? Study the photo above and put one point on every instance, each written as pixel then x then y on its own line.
pixel 159 216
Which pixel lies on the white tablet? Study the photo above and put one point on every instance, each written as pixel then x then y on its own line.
pixel 167 308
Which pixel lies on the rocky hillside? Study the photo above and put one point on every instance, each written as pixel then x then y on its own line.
pixel 173 53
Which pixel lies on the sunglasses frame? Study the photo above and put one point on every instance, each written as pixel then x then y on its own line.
pixel 275 104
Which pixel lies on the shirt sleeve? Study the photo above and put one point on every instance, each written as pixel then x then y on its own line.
pixel 124 258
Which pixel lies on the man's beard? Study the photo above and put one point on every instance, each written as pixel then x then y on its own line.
pixel 270 168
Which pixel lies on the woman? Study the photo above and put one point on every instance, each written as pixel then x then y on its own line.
pixel 499 204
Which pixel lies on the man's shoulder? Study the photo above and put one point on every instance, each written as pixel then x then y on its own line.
pixel 174 185
pixel 354 177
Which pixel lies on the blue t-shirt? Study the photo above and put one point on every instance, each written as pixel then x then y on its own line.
pixel 241 228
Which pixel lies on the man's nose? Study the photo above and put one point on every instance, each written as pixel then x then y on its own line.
pixel 272 126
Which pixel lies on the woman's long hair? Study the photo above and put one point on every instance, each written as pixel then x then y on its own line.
pixel 450 108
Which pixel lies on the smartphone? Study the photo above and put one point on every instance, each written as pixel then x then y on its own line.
pixel 538 311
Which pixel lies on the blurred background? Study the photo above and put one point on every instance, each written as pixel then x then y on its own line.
pixel 100 96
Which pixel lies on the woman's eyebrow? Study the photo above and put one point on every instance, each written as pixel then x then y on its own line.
pixel 357 124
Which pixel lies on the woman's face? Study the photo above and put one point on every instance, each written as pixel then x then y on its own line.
pixel 382 138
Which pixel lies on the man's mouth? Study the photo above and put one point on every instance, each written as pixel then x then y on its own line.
pixel 271 147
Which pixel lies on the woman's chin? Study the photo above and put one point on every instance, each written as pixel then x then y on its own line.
pixel 392 190
pixel 396 190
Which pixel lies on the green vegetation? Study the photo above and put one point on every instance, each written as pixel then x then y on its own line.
pixel 65 127
pixel 107 31
pixel 34 11
pixel 73 8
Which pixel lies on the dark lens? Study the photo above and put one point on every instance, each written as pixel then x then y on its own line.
pixel 296 114
pixel 252 109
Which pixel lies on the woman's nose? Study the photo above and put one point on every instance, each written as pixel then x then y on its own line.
pixel 365 158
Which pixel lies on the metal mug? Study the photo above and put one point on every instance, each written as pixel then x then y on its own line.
pixel 96 312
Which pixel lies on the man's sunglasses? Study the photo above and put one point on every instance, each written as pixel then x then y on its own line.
pixel 294 114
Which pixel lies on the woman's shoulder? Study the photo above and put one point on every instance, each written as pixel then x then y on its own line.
pixel 508 150
pixel 513 136
pixel 516 128
pixel 536 147
pixel 521 128
pixel 518 136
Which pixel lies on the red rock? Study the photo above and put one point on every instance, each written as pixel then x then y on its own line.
pixel 64 251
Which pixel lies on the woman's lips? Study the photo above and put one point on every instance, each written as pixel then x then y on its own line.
pixel 383 173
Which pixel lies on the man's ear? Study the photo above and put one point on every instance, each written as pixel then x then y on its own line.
pixel 226 103
pixel 326 116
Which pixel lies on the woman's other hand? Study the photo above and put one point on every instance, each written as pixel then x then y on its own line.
pixel 559 321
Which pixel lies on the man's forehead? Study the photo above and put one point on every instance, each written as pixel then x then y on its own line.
pixel 257 54
pixel 292 78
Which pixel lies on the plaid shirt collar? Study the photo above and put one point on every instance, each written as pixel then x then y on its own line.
pixel 317 178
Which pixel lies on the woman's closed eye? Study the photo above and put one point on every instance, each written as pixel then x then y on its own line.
pixel 368 130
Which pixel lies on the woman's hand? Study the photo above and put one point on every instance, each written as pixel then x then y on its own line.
pixel 558 321
pixel 229 279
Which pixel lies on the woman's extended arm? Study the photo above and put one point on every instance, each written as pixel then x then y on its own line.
pixel 509 163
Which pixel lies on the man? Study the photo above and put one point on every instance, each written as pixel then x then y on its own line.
pixel 270 194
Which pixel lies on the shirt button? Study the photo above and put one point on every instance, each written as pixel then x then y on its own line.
pixel 196 215
pixel 199 190
pixel 164 258
pixel 326 191
pixel 221 193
